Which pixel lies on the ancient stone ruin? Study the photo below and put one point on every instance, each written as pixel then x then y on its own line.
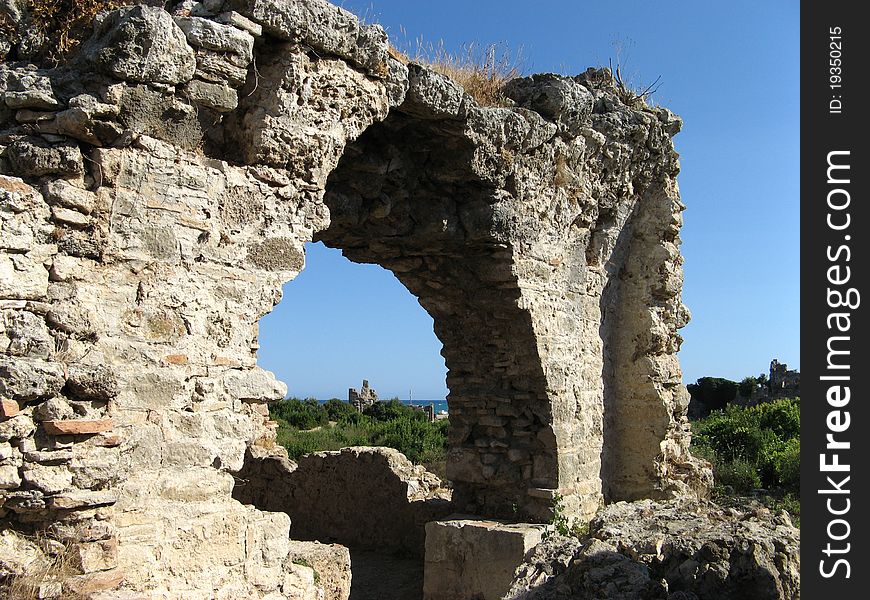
pixel 156 193
pixel 362 398
pixel 783 382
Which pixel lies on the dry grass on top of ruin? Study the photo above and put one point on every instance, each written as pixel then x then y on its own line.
pixel 482 70
pixel 62 24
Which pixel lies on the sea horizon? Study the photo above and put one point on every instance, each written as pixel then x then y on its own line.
pixel 440 405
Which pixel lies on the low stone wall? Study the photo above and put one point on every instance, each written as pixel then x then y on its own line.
pixel 359 497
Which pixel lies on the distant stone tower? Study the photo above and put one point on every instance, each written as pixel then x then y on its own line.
pixel 783 382
pixel 363 398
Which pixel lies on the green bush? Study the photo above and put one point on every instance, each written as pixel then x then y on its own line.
pixel 747 386
pixel 787 466
pixel 754 447
pixel 741 475
pixel 341 412
pixel 713 392
pixel 416 438
pixel 783 417
pixel 391 410
pixel 301 414
pixel 390 424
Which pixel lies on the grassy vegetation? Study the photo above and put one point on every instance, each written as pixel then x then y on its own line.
pixel 482 70
pixel 755 451
pixel 306 426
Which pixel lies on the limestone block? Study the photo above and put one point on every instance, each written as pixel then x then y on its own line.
pixel 77 500
pixel 560 99
pixel 78 123
pixel 22 277
pixel 284 123
pixel 466 558
pixel 18 554
pixel 96 556
pixel 237 20
pixel 299 583
pixel 94 582
pixel 69 318
pixel 26 379
pixel 65 268
pixel 331 562
pixel 27 333
pixel 208 34
pixel 217 96
pixel 54 409
pixel 18 427
pixel 91 382
pixel 7 452
pixel 640 550
pixel 28 89
pixel 23 215
pixel 141 44
pixel 254 385
pixel 434 95
pixel 34 157
pixel 9 477
pixel 48 457
pixel 323 26
pixel 69 217
pixel 49 479
pixel 214 66
pixel 95 467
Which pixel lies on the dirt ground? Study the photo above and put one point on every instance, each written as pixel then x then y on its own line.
pixel 379 576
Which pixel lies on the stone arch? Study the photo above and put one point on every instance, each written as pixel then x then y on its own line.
pixel 405 196
pixel 548 258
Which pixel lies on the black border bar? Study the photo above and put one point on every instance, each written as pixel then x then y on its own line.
pixel 835 368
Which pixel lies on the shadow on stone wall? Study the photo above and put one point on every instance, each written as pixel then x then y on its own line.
pixel 360 497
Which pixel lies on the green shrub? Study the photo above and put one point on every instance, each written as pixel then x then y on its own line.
pixel 391 410
pixel 783 417
pixel 341 412
pixel 390 424
pixel 754 447
pixel 713 392
pixel 741 475
pixel 747 386
pixel 416 438
pixel 301 414
pixel 787 466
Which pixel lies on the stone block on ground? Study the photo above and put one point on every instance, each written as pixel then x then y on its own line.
pixel 474 559
pixel 331 562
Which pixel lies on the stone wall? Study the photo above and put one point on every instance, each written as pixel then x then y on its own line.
pixel 156 194
pixel 368 498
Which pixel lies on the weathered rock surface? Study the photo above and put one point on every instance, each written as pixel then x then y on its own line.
pixel 674 550
pixel 143 44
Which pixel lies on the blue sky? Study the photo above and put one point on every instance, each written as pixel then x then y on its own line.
pixel 731 70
